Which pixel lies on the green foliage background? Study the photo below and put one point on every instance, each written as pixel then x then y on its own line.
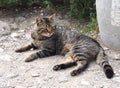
pixel 77 8
pixel 80 9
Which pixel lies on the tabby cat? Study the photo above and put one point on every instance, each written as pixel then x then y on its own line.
pixel 79 50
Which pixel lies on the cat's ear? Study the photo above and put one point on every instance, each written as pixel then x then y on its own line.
pixel 51 17
pixel 38 20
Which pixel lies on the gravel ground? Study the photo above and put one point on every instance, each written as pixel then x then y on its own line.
pixel 15 73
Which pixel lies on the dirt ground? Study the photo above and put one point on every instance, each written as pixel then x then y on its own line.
pixel 15 73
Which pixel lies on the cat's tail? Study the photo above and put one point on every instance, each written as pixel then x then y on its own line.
pixel 102 60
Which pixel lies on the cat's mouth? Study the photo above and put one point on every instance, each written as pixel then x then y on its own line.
pixel 42 36
pixel 47 34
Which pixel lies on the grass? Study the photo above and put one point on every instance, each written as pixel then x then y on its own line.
pixel 91 26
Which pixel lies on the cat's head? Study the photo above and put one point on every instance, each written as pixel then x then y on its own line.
pixel 44 27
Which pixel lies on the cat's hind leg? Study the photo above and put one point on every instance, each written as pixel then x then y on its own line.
pixel 82 64
pixel 69 63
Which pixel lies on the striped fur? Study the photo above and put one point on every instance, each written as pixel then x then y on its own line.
pixel 79 50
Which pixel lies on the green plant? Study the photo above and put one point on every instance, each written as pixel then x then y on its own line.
pixel 82 8
pixel 25 2
pixel 48 4
pixel 15 3
pixel 8 3
pixel 92 26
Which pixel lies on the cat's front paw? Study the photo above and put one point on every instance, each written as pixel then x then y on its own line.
pixel 19 50
pixel 74 73
pixel 29 59
pixel 57 67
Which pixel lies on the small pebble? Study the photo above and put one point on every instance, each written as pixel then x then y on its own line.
pixel 36 75
pixel 50 76
pixel 41 14
pixel 21 31
pixel 63 79
pixel 41 11
pixel 12 75
pixel 15 35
